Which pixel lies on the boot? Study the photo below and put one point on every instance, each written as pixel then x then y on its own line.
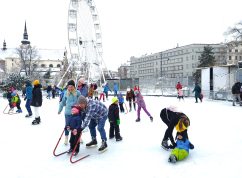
pixel 172 159
pixel 164 145
pixel 19 111
pixel 137 120
pixel 151 118
pixel 92 143
pixel 36 121
pixel 66 140
pixel 103 147
pixel 119 139
pixel 28 115
pixel 69 151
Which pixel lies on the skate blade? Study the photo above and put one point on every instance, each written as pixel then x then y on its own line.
pixel 164 148
pixel 103 150
pixel 93 146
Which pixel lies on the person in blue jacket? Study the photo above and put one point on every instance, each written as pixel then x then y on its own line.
pixel 82 87
pixel 106 89
pixel 74 125
pixel 69 99
pixel 121 102
pixel 115 89
pixel 28 98
pixel 181 151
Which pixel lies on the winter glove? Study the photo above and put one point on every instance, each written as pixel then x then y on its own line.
pixel 191 146
pixel 172 146
pixel 118 122
pixel 68 128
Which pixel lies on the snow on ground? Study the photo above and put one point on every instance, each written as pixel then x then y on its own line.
pixel 215 131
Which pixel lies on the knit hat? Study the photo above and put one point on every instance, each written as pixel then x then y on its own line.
pixel 71 82
pixel 114 100
pixel 82 100
pixel 82 80
pixel 75 110
pixel 36 82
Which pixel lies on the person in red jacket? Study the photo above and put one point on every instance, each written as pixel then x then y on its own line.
pixel 178 86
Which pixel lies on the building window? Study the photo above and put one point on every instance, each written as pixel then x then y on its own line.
pixel 42 65
pixel 230 58
pixel 58 65
pixel 35 65
pixel 236 50
pixel 51 65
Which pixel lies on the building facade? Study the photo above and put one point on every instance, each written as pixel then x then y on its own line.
pixel 46 59
pixel 172 65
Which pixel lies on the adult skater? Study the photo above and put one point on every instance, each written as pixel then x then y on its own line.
pixel 174 119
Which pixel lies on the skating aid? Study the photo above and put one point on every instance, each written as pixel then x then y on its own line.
pixel 10 112
pixel 126 108
pixel 73 152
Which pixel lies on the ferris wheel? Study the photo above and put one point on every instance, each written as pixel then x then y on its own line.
pixel 85 40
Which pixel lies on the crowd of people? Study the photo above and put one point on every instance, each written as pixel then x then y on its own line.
pixel 84 107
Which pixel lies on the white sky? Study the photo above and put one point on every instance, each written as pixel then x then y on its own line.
pixel 129 27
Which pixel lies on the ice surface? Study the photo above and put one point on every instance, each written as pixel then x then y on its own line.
pixel 215 131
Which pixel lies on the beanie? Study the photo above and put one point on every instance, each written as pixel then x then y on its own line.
pixel 114 99
pixel 74 110
pixel 71 82
pixel 82 100
pixel 36 82
pixel 82 80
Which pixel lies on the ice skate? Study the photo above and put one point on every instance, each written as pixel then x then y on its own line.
pixel 172 159
pixel 92 143
pixel 66 140
pixel 103 146
pixel 164 145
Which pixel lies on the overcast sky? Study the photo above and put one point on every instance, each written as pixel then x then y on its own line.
pixel 129 27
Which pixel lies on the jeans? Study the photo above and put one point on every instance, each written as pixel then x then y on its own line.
pixel 27 105
pixel 100 127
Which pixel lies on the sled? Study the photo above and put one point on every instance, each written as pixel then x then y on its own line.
pixel 73 152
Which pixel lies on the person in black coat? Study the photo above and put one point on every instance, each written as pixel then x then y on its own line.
pixel 36 101
pixel 173 120
pixel 236 93
pixel 113 116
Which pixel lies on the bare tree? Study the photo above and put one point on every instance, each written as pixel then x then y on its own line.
pixel 29 59
pixel 235 31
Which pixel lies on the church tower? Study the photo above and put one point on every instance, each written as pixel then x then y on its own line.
pixel 25 40
pixel 4 45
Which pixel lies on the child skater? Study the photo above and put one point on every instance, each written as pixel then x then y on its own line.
pixel 74 125
pixel 141 104
pixel 95 93
pixel 181 151
pixel 121 102
pixel 180 94
pixel 113 116
pixel 15 101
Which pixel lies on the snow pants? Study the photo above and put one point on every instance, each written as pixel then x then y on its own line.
pixel 180 154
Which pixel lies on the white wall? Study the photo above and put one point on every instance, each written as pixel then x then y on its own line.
pixel 220 78
pixel 205 79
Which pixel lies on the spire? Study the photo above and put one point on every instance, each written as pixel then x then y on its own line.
pixel 25 40
pixel 4 45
